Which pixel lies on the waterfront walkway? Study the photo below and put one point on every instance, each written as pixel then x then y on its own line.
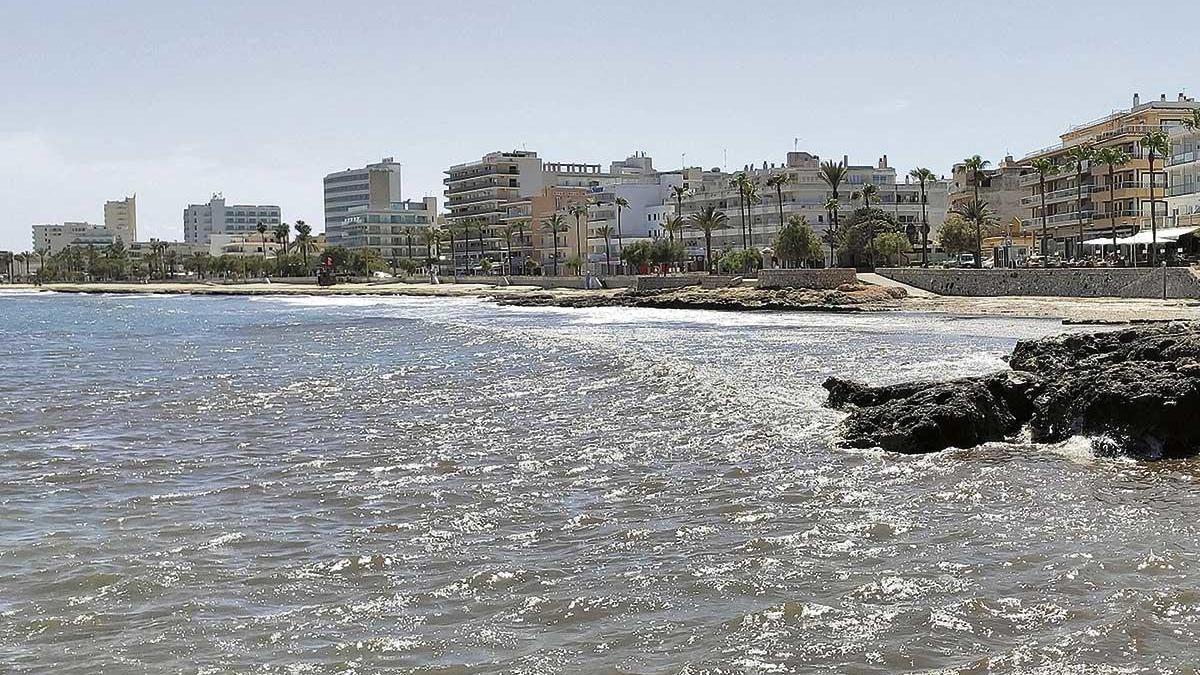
pixel 877 280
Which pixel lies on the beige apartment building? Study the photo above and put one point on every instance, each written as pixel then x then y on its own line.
pixel 1000 187
pixel 120 217
pixel 527 216
pixel 1070 220
pixel 482 191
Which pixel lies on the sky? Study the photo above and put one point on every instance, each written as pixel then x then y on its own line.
pixel 177 100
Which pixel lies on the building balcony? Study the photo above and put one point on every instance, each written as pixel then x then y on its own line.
pixel 1183 189
pixel 458 176
pixel 1093 139
pixel 1058 219
pixel 1183 158
pixel 1065 194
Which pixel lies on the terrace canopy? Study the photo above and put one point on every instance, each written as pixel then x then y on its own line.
pixel 1166 235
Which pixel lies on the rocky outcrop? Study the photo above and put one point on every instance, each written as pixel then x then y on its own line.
pixel 847 298
pixel 1134 391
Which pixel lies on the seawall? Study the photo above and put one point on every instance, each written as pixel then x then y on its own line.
pixel 1181 282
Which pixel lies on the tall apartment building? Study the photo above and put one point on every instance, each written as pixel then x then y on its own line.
pixel 531 240
pixel 1000 187
pixel 1069 222
pixel 1183 177
pixel 120 217
pixel 481 191
pixel 374 186
pixel 805 195
pixel 201 221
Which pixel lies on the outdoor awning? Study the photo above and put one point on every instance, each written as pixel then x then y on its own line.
pixel 1102 241
pixel 1167 235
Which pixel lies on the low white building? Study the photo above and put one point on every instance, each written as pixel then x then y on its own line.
pixel 52 238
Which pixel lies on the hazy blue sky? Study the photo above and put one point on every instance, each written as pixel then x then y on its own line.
pixel 176 100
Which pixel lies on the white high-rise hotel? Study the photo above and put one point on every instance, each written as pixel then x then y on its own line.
pixel 201 221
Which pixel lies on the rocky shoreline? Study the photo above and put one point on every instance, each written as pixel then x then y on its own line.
pixel 846 298
pixel 1134 392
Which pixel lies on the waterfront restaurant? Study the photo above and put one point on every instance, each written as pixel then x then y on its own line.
pixel 1180 245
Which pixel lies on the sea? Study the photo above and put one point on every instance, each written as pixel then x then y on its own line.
pixel 444 485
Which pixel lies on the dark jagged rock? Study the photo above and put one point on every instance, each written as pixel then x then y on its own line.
pixel 1135 391
pixel 852 299
pixel 930 416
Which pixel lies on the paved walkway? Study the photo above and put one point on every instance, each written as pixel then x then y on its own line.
pixel 875 279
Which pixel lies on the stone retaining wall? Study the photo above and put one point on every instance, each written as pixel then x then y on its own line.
pixel 821 278
pixel 653 282
pixel 615 281
pixel 1074 283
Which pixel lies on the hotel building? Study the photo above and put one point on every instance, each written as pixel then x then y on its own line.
pixel 53 238
pixel 374 186
pixel 1000 187
pixel 1069 220
pixel 496 189
pixel 201 221
pixel 120 217
pixel 395 230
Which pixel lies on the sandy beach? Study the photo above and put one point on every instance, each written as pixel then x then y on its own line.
pixel 1098 310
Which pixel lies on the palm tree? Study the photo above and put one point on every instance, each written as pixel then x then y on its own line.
pixel 579 211
pixel 431 236
pixel 451 230
pixel 552 226
pixel 1080 154
pixel 709 220
pixel 679 192
pixel 520 227
pixel 922 176
pixel 479 225
pixel 982 215
pixel 1192 123
pixel 283 233
pixel 778 181
pixel 620 203
pixel 831 207
pixel 833 173
pixel 673 226
pixel 739 182
pixel 507 233
pixel 1154 142
pixel 262 235
pixel 304 240
pixel 606 232
pixel 974 166
pixel 1044 167
pixel 1113 157
pixel 752 198
pixel 869 190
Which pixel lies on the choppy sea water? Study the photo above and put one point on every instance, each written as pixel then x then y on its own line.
pixel 321 485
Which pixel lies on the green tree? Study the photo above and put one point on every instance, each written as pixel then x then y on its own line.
pixel 981 216
pixel 856 237
pixel 1112 157
pixel 620 203
pixel 679 192
pixel 666 252
pixel 741 182
pixel 752 198
pixel 637 254
pixel 797 244
pixel 304 240
pixel 956 235
pixel 507 233
pixel 262 234
pixel 1154 143
pixel 580 212
pixel 866 193
pixel 923 176
pixel 707 221
pixel 552 226
pixel 891 245
pixel 778 181
pixel 1044 168
pixel 974 167
pixel 283 234
pixel 833 174
pixel 606 232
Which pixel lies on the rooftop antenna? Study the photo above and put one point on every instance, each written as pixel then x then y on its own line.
pixel 725 154
pixel 796 144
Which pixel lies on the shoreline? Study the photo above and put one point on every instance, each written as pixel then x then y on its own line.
pixel 1098 311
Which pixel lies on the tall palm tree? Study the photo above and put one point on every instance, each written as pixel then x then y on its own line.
pixel 1044 167
pixel 778 181
pixel 606 232
pixel 1079 155
pixel 739 182
pixel 975 166
pixel 752 198
pixel 679 192
pixel 866 193
pixel 451 231
pixel 620 203
pixel 262 236
pixel 507 232
pixel 708 220
pixel 1154 142
pixel 552 226
pixel 520 226
pixel 1112 157
pixel 834 174
pixel 579 211
pixel 431 237
pixel 1192 123
pixel 283 233
pixel 983 216
pixel 922 176
pixel 831 207
pixel 304 240
pixel 480 223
